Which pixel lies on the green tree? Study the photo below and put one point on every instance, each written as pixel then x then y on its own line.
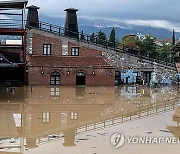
pixel 164 52
pixel 102 38
pixel 82 36
pixel 92 38
pixel 148 45
pixel 112 38
pixel 173 38
pixel 164 49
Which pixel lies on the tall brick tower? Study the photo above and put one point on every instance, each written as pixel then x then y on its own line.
pixel 71 25
pixel 32 17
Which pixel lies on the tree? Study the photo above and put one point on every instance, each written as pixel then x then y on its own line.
pixel 130 42
pixel 148 45
pixel 112 38
pixel 92 38
pixel 82 36
pixel 164 50
pixel 102 38
pixel 173 38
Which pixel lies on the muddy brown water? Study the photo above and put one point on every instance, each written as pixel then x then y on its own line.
pixel 32 116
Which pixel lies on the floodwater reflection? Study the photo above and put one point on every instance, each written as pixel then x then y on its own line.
pixel 30 116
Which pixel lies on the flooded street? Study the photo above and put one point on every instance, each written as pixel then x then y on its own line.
pixel 70 120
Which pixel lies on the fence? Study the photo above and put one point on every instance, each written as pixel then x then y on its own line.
pixel 90 39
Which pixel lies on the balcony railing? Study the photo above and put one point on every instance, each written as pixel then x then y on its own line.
pixel 12 23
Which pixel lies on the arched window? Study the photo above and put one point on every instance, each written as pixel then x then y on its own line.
pixel 55 78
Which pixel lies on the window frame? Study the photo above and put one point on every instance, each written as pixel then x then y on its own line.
pixel 45 49
pixel 45 117
pixel 75 52
pixel 54 93
pixel 74 115
pixel 55 79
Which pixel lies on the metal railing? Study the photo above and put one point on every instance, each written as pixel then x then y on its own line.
pixel 91 39
pixel 94 40
pixel 3 59
pixel 12 23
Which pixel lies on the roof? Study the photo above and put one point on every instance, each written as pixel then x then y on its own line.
pixel 15 4
pixel 71 9
pixel 165 40
pixel 33 7
pixel 69 61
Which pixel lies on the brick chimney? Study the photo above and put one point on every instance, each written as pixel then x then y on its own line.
pixel 32 17
pixel 71 25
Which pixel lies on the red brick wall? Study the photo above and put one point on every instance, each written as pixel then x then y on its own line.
pixel 35 77
pixel 38 41
pixel 101 77
pixel 84 51
pixel 56 50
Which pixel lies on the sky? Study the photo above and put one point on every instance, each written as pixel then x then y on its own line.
pixel 156 13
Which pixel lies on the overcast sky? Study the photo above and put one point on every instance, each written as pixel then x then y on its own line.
pixel 157 13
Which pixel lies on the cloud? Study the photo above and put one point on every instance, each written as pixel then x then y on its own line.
pixel 122 9
pixel 155 23
pixel 127 23
pixel 157 13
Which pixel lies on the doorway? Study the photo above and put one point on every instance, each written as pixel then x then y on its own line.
pixel 12 76
pixel 147 77
pixel 80 79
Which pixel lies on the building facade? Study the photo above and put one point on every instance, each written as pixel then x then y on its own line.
pixel 56 60
pixel 44 58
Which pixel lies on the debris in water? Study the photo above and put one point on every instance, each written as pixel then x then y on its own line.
pixel 166 131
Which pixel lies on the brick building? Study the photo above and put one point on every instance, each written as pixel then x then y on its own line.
pixel 45 58
pixel 62 59
pixel 56 60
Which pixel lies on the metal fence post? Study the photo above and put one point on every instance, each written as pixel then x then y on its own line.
pixel 59 30
pixel 50 27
